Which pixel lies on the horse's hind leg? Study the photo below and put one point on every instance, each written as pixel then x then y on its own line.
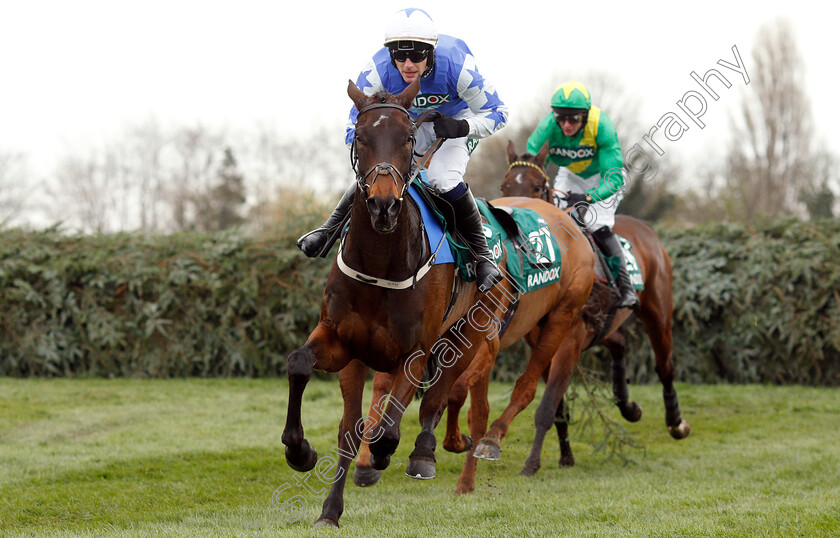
pixel 562 365
pixel 352 382
pixel 617 347
pixel 422 459
pixel 479 379
pixel 562 418
pixel 561 423
pixel 363 474
pixel 454 440
pixel 385 434
pixel 657 321
pixel 554 331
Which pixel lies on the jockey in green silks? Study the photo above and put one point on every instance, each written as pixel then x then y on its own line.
pixel 583 142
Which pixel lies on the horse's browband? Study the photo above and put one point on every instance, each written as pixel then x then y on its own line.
pixel 532 165
pixel 384 105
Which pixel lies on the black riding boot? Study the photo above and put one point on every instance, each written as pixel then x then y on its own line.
pixel 610 246
pixel 314 242
pixel 468 225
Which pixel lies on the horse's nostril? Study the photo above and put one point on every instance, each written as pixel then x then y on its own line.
pixel 394 208
pixel 374 207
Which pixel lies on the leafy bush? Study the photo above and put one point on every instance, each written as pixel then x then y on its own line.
pixel 751 305
pixel 158 306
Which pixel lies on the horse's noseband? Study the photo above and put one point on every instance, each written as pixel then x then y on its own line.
pixel 383 168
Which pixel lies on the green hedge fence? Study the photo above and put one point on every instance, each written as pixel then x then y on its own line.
pixel 754 304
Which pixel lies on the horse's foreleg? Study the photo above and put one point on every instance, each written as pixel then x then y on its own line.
pixel 617 347
pixel 300 455
pixel 455 441
pixel 562 365
pixel 657 322
pixel 550 335
pixel 352 382
pixel 320 351
pixel 364 475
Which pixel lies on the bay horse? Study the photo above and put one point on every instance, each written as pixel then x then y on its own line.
pixel 379 312
pixel 526 177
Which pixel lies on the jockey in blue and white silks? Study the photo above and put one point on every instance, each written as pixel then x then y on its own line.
pixel 470 109
pixel 453 86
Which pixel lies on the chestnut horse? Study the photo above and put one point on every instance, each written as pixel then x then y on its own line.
pixel 601 323
pixel 526 177
pixel 379 311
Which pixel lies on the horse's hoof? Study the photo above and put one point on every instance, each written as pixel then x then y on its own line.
pixel 680 431
pixel 364 476
pixel 465 445
pixel 488 451
pixel 531 468
pixel 380 463
pixel 421 469
pixel 567 461
pixel 326 522
pixel 464 489
pixel 302 459
pixel 631 412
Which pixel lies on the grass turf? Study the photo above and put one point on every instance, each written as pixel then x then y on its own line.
pixel 204 458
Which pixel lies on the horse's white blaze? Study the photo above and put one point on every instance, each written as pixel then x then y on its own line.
pixel 381 117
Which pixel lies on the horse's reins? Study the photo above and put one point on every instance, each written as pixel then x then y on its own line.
pixel 386 168
pixel 546 185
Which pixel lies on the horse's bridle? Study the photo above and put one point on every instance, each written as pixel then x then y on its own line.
pixel 383 168
pixel 388 169
pixel 545 187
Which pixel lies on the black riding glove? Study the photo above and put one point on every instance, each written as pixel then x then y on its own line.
pixel 574 198
pixel 449 127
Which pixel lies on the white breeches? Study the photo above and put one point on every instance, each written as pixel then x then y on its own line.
pixel 598 214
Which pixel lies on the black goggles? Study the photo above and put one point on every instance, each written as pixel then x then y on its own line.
pixel 568 118
pixel 416 56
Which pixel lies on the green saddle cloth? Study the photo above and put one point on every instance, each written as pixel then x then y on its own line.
pixel 533 255
pixel 630 263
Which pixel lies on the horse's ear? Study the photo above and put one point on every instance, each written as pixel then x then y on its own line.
pixel 542 154
pixel 357 95
pixel 511 152
pixel 407 96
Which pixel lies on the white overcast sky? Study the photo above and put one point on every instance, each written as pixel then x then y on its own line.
pixel 73 73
